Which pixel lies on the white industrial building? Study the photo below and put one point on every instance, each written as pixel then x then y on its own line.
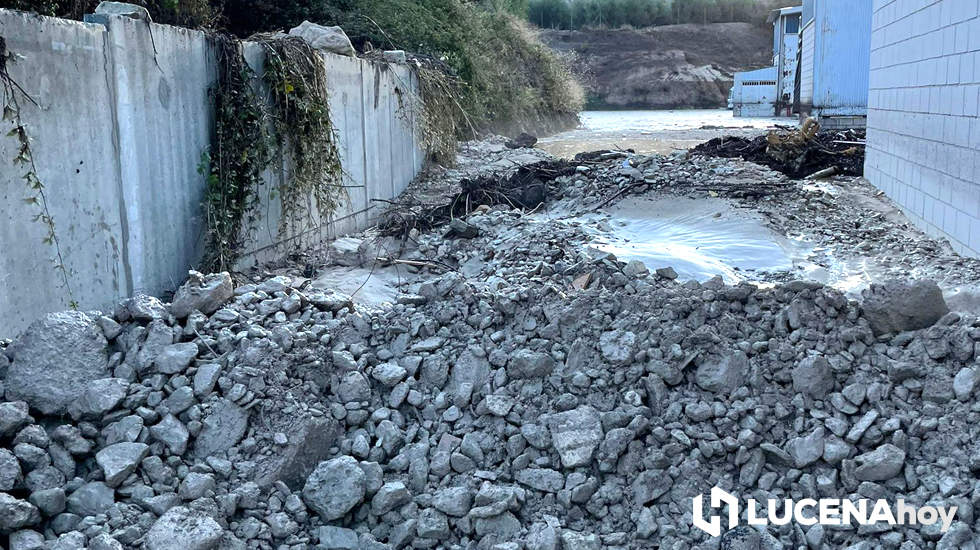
pixel 772 90
pixel 820 65
pixel 923 126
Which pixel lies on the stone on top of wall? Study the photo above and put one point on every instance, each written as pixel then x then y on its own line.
pixel 124 9
pixel 328 39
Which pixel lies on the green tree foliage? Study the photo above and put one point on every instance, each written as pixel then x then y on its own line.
pixel 577 14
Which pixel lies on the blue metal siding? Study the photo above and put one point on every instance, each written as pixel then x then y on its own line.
pixel 841 57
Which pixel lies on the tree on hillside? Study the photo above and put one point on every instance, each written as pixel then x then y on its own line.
pixel 577 14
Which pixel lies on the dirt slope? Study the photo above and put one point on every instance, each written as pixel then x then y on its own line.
pixel 668 67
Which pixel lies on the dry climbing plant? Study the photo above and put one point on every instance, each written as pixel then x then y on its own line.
pixel 296 76
pixel 435 110
pixel 36 195
pixel 295 120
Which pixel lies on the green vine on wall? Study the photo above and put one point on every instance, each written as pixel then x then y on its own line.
pixel 297 80
pixel 295 119
pixel 239 152
pixel 12 92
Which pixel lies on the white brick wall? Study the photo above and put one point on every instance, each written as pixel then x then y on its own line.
pixel 923 125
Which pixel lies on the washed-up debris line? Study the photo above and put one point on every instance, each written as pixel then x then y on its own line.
pixel 525 187
pixel 795 152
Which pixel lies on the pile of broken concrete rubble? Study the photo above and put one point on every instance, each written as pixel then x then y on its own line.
pixel 542 415
pixel 524 392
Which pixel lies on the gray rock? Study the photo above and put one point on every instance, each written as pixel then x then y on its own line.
pixel 327 39
pixel 964 383
pixel 617 346
pixel 26 539
pixel 499 405
pixel 470 369
pixel 667 273
pixel 13 416
pixel 204 293
pixel 126 429
pixel 898 306
pixel 104 541
pixel 172 433
pixel 453 501
pixel 529 364
pixel 353 387
pixel 574 540
pixel 334 488
pixel 196 485
pixel 50 502
pixel 390 496
pixel 806 450
pixel 576 434
pixel 16 514
pixel 432 524
pixel 741 538
pixel 175 358
pixel 309 444
pixel 91 499
pixel 205 378
pixel 337 538
pixel 651 485
pixel 123 9
pixel 636 269
pixel 813 376
pixel 222 429
pixel 182 528
pixel 394 56
pixel 542 536
pixel 389 374
pixel 99 397
pixel 881 464
pixel 542 479
pixel 73 540
pixel 723 374
pixel 10 472
pixel 120 460
pixel 55 359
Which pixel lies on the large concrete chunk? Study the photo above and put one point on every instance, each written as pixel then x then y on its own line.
pixel 183 529
pixel 576 434
pixel 327 39
pixel 54 361
pixel 881 464
pixel 897 306
pixel 222 430
pixel 119 460
pixel 334 488
pixel 16 513
pixel 308 443
pixel 123 9
pixel 204 293
pixel 723 374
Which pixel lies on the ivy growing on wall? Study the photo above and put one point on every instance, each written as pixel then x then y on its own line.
pixel 36 196
pixel 292 125
pixel 239 152
pixel 297 81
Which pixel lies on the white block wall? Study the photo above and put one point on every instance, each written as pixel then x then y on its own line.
pixel 923 125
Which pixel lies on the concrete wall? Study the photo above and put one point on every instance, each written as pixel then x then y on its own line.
pixel 923 125
pixel 123 117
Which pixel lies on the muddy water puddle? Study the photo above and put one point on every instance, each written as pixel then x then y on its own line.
pixel 704 238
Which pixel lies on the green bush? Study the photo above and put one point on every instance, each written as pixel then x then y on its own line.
pixel 509 80
pixel 184 13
